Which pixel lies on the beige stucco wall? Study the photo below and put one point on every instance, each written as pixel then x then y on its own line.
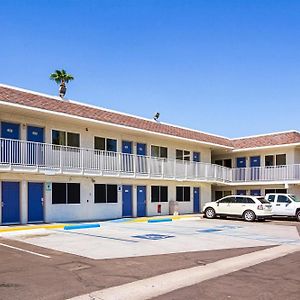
pixel 88 210
pixel 289 151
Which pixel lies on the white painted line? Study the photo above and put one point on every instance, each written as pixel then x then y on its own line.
pixel 23 250
pixel 165 283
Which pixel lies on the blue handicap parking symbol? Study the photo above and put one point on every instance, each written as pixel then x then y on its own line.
pixel 153 236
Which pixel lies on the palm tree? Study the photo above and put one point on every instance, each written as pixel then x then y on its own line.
pixel 61 78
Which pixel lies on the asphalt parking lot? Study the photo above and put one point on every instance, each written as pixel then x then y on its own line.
pixel 61 265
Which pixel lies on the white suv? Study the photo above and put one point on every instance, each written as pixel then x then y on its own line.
pixel 284 205
pixel 249 208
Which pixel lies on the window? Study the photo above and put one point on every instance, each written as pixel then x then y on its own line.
pixel 280 160
pixel 73 193
pixel 227 193
pixel 65 193
pixel 227 200
pixel 58 137
pixel 283 199
pixel 157 151
pixel 104 144
pixel 105 193
pixel 159 194
pixel 221 194
pixel 275 191
pixel 244 200
pixel 218 195
pixel 228 163
pixel 111 145
pixel 99 143
pixel 219 162
pixel 183 193
pixel 271 198
pixel 183 155
pixel 65 138
pixel 269 160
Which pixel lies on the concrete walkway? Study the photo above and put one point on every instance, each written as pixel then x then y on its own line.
pixel 162 284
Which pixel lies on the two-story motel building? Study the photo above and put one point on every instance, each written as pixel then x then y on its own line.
pixel 61 160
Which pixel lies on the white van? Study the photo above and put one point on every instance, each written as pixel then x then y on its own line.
pixel 284 205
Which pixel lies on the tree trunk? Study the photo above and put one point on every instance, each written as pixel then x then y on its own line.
pixel 62 89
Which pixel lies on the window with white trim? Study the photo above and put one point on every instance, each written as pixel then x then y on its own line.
pixel 183 155
pixel 159 193
pixel 64 138
pixel 183 193
pixel 65 193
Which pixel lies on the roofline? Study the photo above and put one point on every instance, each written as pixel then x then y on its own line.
pixel 265 147
pixel 107 109
pixel 265 134
pixel 110 124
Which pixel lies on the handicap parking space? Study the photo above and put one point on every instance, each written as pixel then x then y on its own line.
pixel 131 239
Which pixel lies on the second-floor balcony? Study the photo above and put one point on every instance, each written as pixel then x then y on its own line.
pixel 49 159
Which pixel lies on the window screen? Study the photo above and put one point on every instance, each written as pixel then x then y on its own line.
pixel 155 193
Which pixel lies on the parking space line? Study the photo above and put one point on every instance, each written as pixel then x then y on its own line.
pixel 162 284
pixel 98 236
pixel 24 250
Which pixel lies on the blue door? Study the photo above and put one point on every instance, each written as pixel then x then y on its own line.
pixel 255 193
pixel 241 164
pixel 141 165
pixel 126 147
pixel 196 156
pixel 35 151
pixel 241 192
pixel 127 160
pixel 10 150
pixel 141 149
pixel 10 202
pixel 255 164
pixel 35 202
pixel 127 201
pixel 141 201
pixel 196 200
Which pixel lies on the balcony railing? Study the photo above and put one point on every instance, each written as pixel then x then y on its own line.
pixel 16 155
pixel 24 156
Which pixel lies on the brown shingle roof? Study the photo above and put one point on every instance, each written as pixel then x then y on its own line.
pixel 267 140
pixel 48 103
pixel 16 96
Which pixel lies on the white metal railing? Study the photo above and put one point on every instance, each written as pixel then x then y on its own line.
pixel 16 155
pixel 42 157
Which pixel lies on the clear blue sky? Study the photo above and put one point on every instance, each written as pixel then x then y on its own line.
pixel 227 67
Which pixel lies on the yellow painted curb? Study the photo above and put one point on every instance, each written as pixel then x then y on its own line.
pixel 30 227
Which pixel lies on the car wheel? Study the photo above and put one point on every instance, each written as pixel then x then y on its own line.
pixel 249 216
pixel 210 213
pixel 298 215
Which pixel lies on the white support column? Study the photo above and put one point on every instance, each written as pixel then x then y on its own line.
pixel 134 200
pixel 23 202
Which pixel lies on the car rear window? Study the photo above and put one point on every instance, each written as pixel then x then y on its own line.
pixel 262 200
